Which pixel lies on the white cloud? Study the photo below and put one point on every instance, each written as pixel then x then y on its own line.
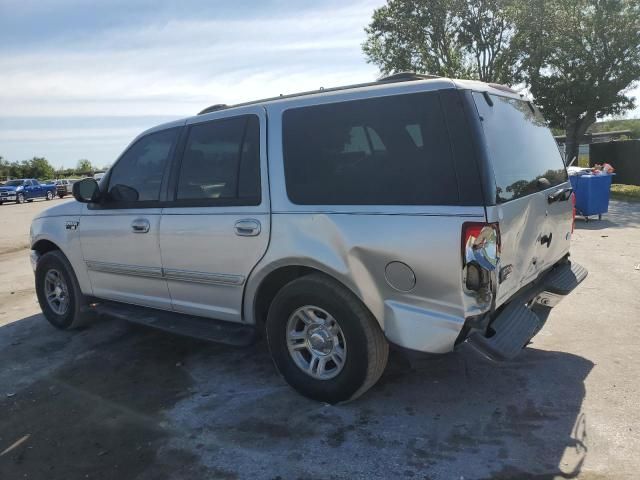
pixel 176 68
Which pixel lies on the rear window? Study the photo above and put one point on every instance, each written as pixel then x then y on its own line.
pixel 521 147
pixel 384 151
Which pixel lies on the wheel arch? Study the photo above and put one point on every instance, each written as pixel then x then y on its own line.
pixel 261 291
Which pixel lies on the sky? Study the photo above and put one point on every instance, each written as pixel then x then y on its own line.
pixel 81 78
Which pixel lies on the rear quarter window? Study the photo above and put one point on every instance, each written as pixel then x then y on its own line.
pixel 383 151
pixel 522 149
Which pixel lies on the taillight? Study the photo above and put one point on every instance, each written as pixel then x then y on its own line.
pixel 480 252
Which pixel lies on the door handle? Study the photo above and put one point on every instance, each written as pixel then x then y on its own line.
pixel 140 225
pixel 247 227
pixel 561 195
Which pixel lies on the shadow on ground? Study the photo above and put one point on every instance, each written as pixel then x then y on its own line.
pixel 117 401
pixel 620 215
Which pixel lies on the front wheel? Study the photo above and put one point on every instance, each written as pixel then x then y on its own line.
pixel 49 195
pixel 20 198
pixel 324 341
pixel 59 294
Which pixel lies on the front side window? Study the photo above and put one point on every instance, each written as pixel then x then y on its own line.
pixel 522 150
pixel 382 151
pixel 137 176
pixel 221 162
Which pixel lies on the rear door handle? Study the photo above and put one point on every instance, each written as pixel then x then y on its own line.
pixel 560 195
pixel 247 227
pixel 140 225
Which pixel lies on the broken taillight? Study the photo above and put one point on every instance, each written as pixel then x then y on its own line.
pixel 480 252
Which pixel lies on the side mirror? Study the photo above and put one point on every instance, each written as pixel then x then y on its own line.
pixel 86 190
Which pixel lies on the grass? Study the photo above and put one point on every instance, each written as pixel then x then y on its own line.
pixel 625 192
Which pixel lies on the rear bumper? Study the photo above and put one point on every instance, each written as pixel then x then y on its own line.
pixel 516 323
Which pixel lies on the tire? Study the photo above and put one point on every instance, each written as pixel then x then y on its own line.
pixel 360 339
pixel 73 316
pixel 61 195
pixel 20 198
pixel 49 196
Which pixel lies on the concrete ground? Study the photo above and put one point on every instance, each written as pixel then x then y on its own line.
pixel 119 401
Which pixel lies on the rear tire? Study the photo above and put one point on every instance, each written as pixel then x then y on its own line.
pixel 58 291
pixel 49 196
pixel 332 322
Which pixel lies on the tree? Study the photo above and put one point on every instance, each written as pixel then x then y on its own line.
pixel 582 58
pixel 37 167
pixel 452 38
pixel 84 166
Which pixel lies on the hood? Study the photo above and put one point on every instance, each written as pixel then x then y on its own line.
pixel 69 208
pixel 8 188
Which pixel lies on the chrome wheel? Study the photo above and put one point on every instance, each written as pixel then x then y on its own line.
pixel 56 292
pixel 316 342
pixel 49 195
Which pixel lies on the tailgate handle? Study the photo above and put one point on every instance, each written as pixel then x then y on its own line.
pixel 561 195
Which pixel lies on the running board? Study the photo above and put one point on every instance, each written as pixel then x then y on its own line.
pixel 229 333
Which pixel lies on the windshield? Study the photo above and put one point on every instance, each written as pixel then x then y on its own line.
pixel 14 183
pixel 521 147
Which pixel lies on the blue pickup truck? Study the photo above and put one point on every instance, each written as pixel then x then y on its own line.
pixel 25 190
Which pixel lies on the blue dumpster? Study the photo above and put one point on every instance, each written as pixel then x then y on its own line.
pixel 592 193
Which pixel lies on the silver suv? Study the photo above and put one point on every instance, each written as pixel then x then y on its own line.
pixel 423 212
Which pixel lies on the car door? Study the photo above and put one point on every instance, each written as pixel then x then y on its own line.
pixel 217 225
pixel 119 236
pixel 28 189
pixel 37 191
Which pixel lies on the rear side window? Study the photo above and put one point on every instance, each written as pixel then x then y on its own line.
pixel 382 151
pixel 138 174
pixel 521 148
pixel 221 161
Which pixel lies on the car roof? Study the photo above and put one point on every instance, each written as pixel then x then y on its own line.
pixel 405 82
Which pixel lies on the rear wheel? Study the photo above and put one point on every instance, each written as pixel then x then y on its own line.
pixel 49 195
pixel 324 341
pixel 59 294
pixel 61 195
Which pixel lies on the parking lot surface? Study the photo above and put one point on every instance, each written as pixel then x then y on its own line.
pixel 125 402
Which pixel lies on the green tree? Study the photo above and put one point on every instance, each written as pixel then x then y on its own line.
pixel 37 167
pixel 452 38
pixel 582 57
pixel 84 166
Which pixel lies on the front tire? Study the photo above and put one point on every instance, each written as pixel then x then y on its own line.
pixel 20 198
pixel 324 341
pixel 59 294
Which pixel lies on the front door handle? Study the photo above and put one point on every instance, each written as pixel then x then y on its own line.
pixel 247 227
pixel 140 225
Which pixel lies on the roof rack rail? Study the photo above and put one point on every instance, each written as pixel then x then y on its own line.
pixel 406 77
pixel 396 77
pixel 504 88
pixel 214 108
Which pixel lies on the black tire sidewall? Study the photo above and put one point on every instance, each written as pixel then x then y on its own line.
pixel 55 260
pixel 303 292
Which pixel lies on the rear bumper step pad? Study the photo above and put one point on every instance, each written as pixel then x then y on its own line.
pixel 514 327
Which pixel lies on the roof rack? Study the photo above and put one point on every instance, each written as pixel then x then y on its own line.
pixel 394 78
